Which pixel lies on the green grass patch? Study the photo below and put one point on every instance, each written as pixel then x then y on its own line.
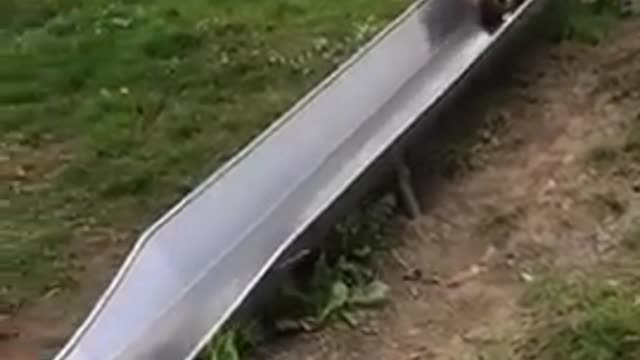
pixel 586 319
pixel 590 20
pixel 146 98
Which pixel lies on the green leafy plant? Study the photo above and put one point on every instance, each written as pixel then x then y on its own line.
pixel 335 293
pixel 231 344
pixel 341 280
pixel 590 20
pixel 224 348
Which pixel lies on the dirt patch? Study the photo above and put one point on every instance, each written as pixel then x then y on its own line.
pixel 40 329
pixel 535 206
pixel 22 165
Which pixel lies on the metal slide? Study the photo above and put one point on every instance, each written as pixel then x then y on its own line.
pixel 193 268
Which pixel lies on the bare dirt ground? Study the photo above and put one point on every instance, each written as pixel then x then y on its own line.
pixel 534 206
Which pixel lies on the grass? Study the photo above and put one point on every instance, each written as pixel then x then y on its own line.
pixel 110 110
pixel 589 318
pixel 590 20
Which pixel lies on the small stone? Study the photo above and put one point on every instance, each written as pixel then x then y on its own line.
pixel 551 184
pixel 462 277
pixel 415 293
pixel 526 277
pixel 369 330
pixel 21 172
pixel 413 275
pixel 479 333
pixel 433 280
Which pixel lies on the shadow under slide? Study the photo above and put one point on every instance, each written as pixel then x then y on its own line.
pixel 199 263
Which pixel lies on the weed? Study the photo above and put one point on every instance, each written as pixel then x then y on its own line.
pixel 367 228
pixel 231 344
pixel 334 293
pixel 342 279
pixel 590 20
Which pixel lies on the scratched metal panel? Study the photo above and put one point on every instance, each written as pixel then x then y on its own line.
pixel 196 265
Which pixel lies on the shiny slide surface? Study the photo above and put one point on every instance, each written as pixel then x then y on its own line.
pixel 193 268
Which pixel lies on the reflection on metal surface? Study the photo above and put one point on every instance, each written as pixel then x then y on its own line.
pixel 191 270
